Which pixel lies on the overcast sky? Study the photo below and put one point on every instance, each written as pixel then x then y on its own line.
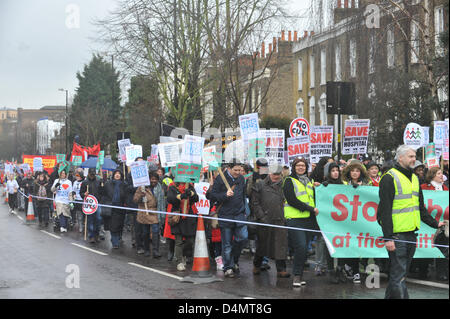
pixel 42 46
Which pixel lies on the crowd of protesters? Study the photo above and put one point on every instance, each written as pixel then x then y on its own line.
pixel 270 194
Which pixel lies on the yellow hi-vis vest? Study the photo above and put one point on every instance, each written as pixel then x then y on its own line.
pixel 303 194
pixel 167 181
pixel 405 208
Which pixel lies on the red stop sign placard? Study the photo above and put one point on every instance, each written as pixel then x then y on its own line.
pixel 299 127
pixel 90 205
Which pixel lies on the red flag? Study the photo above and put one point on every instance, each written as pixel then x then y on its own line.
pixel 84 151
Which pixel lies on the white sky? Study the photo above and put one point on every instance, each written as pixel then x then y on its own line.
pixel 39 53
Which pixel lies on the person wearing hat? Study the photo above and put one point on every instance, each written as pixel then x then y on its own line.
pixel 62 187
pixel 373 171
pixel 76 185
pixel 419 170
pixel 267 204
pixel 355 174
pixel 92 186
pixel 299 209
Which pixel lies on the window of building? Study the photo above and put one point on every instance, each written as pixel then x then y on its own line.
pixel 337 56
pixel 414 42
pixel 323 67
pixel 299 107
pixel 312 111
pixel 323 109
pixel 352 57
pixel 300 74
pixel 390 48
pixel 438 29
pixel 312 71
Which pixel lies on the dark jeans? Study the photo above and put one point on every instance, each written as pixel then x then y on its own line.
pixel 142 232
pixel 93 224
pixel 181 245
pixel 400 261
pixel 12 200
pixel 43 214
pixel 233 240
pixel 298 241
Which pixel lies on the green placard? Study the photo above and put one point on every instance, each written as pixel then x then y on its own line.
pixel 216 163
pixel 256 148
pixel 76 160
pixel 101 157
pixel 187 173
pixel 60 158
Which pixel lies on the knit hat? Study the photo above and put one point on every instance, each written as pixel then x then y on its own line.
pixel 372 163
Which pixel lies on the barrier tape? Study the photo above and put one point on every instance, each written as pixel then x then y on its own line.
pixel 226 219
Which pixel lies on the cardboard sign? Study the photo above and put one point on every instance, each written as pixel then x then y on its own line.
pixel 413 135
pixel 356 137
pixel 37 164
pixel 298 147
pixel 122 144
pixel 48 161
pixel 187 172
pixel 440 132
pixel 203 203
pixel 299 127
pixel 275 145
pixel 77 160
pixel 60 158
pixel 256 148
pixel 101 157
pixel 170 153
pixel 90 205
pixel 321 142
pixel 132 152
pixel 249 125
pixel 426 135
pixel 192 149
pixel 139 174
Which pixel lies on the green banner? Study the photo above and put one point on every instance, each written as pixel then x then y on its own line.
pixel 101 157
pixel 76 160
pixel 347 219
pixel 187 172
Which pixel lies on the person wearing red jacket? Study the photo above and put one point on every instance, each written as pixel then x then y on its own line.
pixel 434 180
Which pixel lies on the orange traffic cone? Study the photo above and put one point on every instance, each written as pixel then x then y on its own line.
pixel 201 266
pixel 6 198
pixel 30 211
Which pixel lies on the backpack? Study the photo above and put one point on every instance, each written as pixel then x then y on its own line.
pixel 42 192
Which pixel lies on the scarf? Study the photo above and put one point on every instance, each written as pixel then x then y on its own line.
pixel 437 186
pixel 303 179
pixel 116 193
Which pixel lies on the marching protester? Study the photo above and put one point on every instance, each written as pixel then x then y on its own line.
pixel 92 186
pixel 184 228
pixel 233 234
pixel 76 185
pixel 400 211
pixel 27 185
pixel 299 207
pixel 42 190
pixel 267 203
pixel 434 181
pixel 114 194
pixel 373 170
pixel 62 187
pixel 419 170
pixel 12 188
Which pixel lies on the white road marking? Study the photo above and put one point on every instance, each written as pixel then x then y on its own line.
pixel 157 271
pixel 50 234
pixel 93 250
pixel 427 283
pixel 20 217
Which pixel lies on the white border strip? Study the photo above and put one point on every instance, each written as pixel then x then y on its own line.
pixel 157 271
pixel 93 250
pixel 50 234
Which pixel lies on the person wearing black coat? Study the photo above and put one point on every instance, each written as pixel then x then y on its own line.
pixel 187 226
pixel 27 184
pixel 42 205
pixel 114 194
pixel 92 186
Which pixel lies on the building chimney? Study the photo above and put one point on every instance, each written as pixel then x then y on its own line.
pixel 353 4
pixel 290 36
pixel 338 3
pixel 270 48
pixel 274 44
pixel 346 4
pixel 311 33
pixel 263 50
pixel 282 35
pixel 305 34
pixel 295 36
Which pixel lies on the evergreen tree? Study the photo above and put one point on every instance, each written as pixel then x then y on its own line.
pixel 96 110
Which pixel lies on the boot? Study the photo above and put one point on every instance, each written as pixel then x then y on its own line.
pixel 171 249
pixel 155 245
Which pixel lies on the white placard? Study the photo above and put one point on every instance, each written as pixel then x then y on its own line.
pixel 192 149
pixel 202 204
pixel 37 164
pixel 413 135
pixel 249 125
pixel 274 145
pixel 132 152
pixel 139 173
pixel 122 144
pixel 298 147
pixel 440 132
pixel 356 137
pixel 426 136
pixel 321 142
pixel 170 153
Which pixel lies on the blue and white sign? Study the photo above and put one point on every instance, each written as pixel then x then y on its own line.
pixel 249 125
pixel 440 132
pixel 132 152
pixel 139 173
pixel 37 164
pixel 192 149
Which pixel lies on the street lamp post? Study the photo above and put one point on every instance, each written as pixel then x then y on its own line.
pixel 67 102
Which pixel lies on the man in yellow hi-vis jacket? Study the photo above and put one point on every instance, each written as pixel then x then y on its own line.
pixel 400 211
